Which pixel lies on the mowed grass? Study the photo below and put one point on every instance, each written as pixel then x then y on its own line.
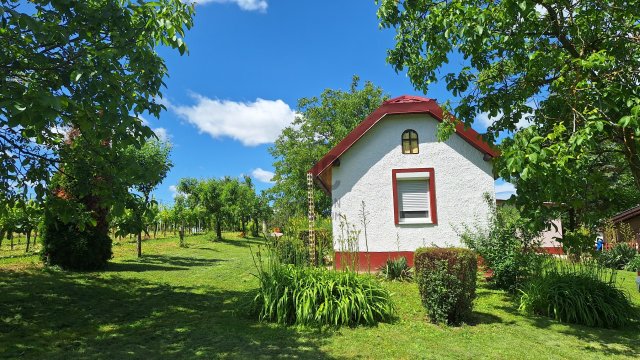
pixel 192 303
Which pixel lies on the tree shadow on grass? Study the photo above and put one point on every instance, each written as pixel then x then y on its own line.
pixel 242 242
pixel 607 342
pixel 58 315
pixel 177 261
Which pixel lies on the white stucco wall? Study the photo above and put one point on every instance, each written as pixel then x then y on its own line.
pixel 364 174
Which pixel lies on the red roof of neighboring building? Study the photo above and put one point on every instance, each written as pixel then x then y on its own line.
pixel 405 104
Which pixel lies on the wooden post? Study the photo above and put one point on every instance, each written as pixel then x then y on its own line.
pixel 312 218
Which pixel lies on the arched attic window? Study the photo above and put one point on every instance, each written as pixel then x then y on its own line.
pixel 409 142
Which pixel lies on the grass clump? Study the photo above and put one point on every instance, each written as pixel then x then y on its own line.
pixel 583 293
pixel 396 269
pixel 290 294
pixel 447 281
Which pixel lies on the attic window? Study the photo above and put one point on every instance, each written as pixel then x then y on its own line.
pixel 409 142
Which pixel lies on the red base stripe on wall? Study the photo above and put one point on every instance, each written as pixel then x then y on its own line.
pixel 378 259
pixel 375 260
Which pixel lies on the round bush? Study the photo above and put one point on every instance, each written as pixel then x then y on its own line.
pixel 66 246
pixel 447 281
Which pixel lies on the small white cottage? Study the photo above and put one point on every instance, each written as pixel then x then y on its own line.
pixel 416 190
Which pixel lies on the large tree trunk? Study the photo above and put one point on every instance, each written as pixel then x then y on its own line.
pixel 11 238
pixel 631 153
pixel 140 244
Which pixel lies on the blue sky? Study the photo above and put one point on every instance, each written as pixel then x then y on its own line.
pixel 249 62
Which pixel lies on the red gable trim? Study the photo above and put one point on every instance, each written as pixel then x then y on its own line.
pixel 400 105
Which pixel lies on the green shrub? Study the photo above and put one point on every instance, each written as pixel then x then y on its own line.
pixel 583 293
pixel 634 264
pixel 396 269
pixel 290 294
pixel 291 250
pixel 617 257
pixel 578 243
pixel 70 248
pixel 447 281
pixel 507 246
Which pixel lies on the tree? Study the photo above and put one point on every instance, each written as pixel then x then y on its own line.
pixel 569 68
pixel 84 65
pixel 208 194
pixel 574 55
pixel 584 189
pixel 152 165
pixel 322 122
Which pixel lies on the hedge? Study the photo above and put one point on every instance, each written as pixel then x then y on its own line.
pixel 446 278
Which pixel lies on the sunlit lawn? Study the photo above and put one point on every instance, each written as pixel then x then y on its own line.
pixel 192 303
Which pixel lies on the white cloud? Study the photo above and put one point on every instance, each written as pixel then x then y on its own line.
pixel 505 190
pixel 251 123
pixel 174 190
pixel 247 5
pixel 162 134
pixel 263 175
pixel 485 120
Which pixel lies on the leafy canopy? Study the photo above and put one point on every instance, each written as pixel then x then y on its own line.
pixel 569 68
pixel 88 65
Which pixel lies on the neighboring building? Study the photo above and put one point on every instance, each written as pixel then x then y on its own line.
pixel 416 190
pixel 631 217
pixel 548 238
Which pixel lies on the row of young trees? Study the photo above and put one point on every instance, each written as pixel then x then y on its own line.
pixel 24 218
pixel 226 204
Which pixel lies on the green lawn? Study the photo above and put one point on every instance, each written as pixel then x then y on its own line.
pixel 191 303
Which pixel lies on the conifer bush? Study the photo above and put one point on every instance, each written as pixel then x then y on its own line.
pixel 446 278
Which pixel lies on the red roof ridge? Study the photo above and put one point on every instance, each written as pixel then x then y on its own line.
pixel 407 99
pixel 405 104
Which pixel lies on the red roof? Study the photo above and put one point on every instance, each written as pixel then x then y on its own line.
pixel 405 104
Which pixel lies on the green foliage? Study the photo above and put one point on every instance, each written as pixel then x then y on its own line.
pixel 578 243
pixel 507 246
pixel 446 278
pixel 74 248
pixel 290 294
pixel 587 181
pixel 90 66
pixel 226 202
pixel 396 269
pixel 582 293
pixel 618 257
pixel 290 250
pixel 634 264
pixel 322 122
